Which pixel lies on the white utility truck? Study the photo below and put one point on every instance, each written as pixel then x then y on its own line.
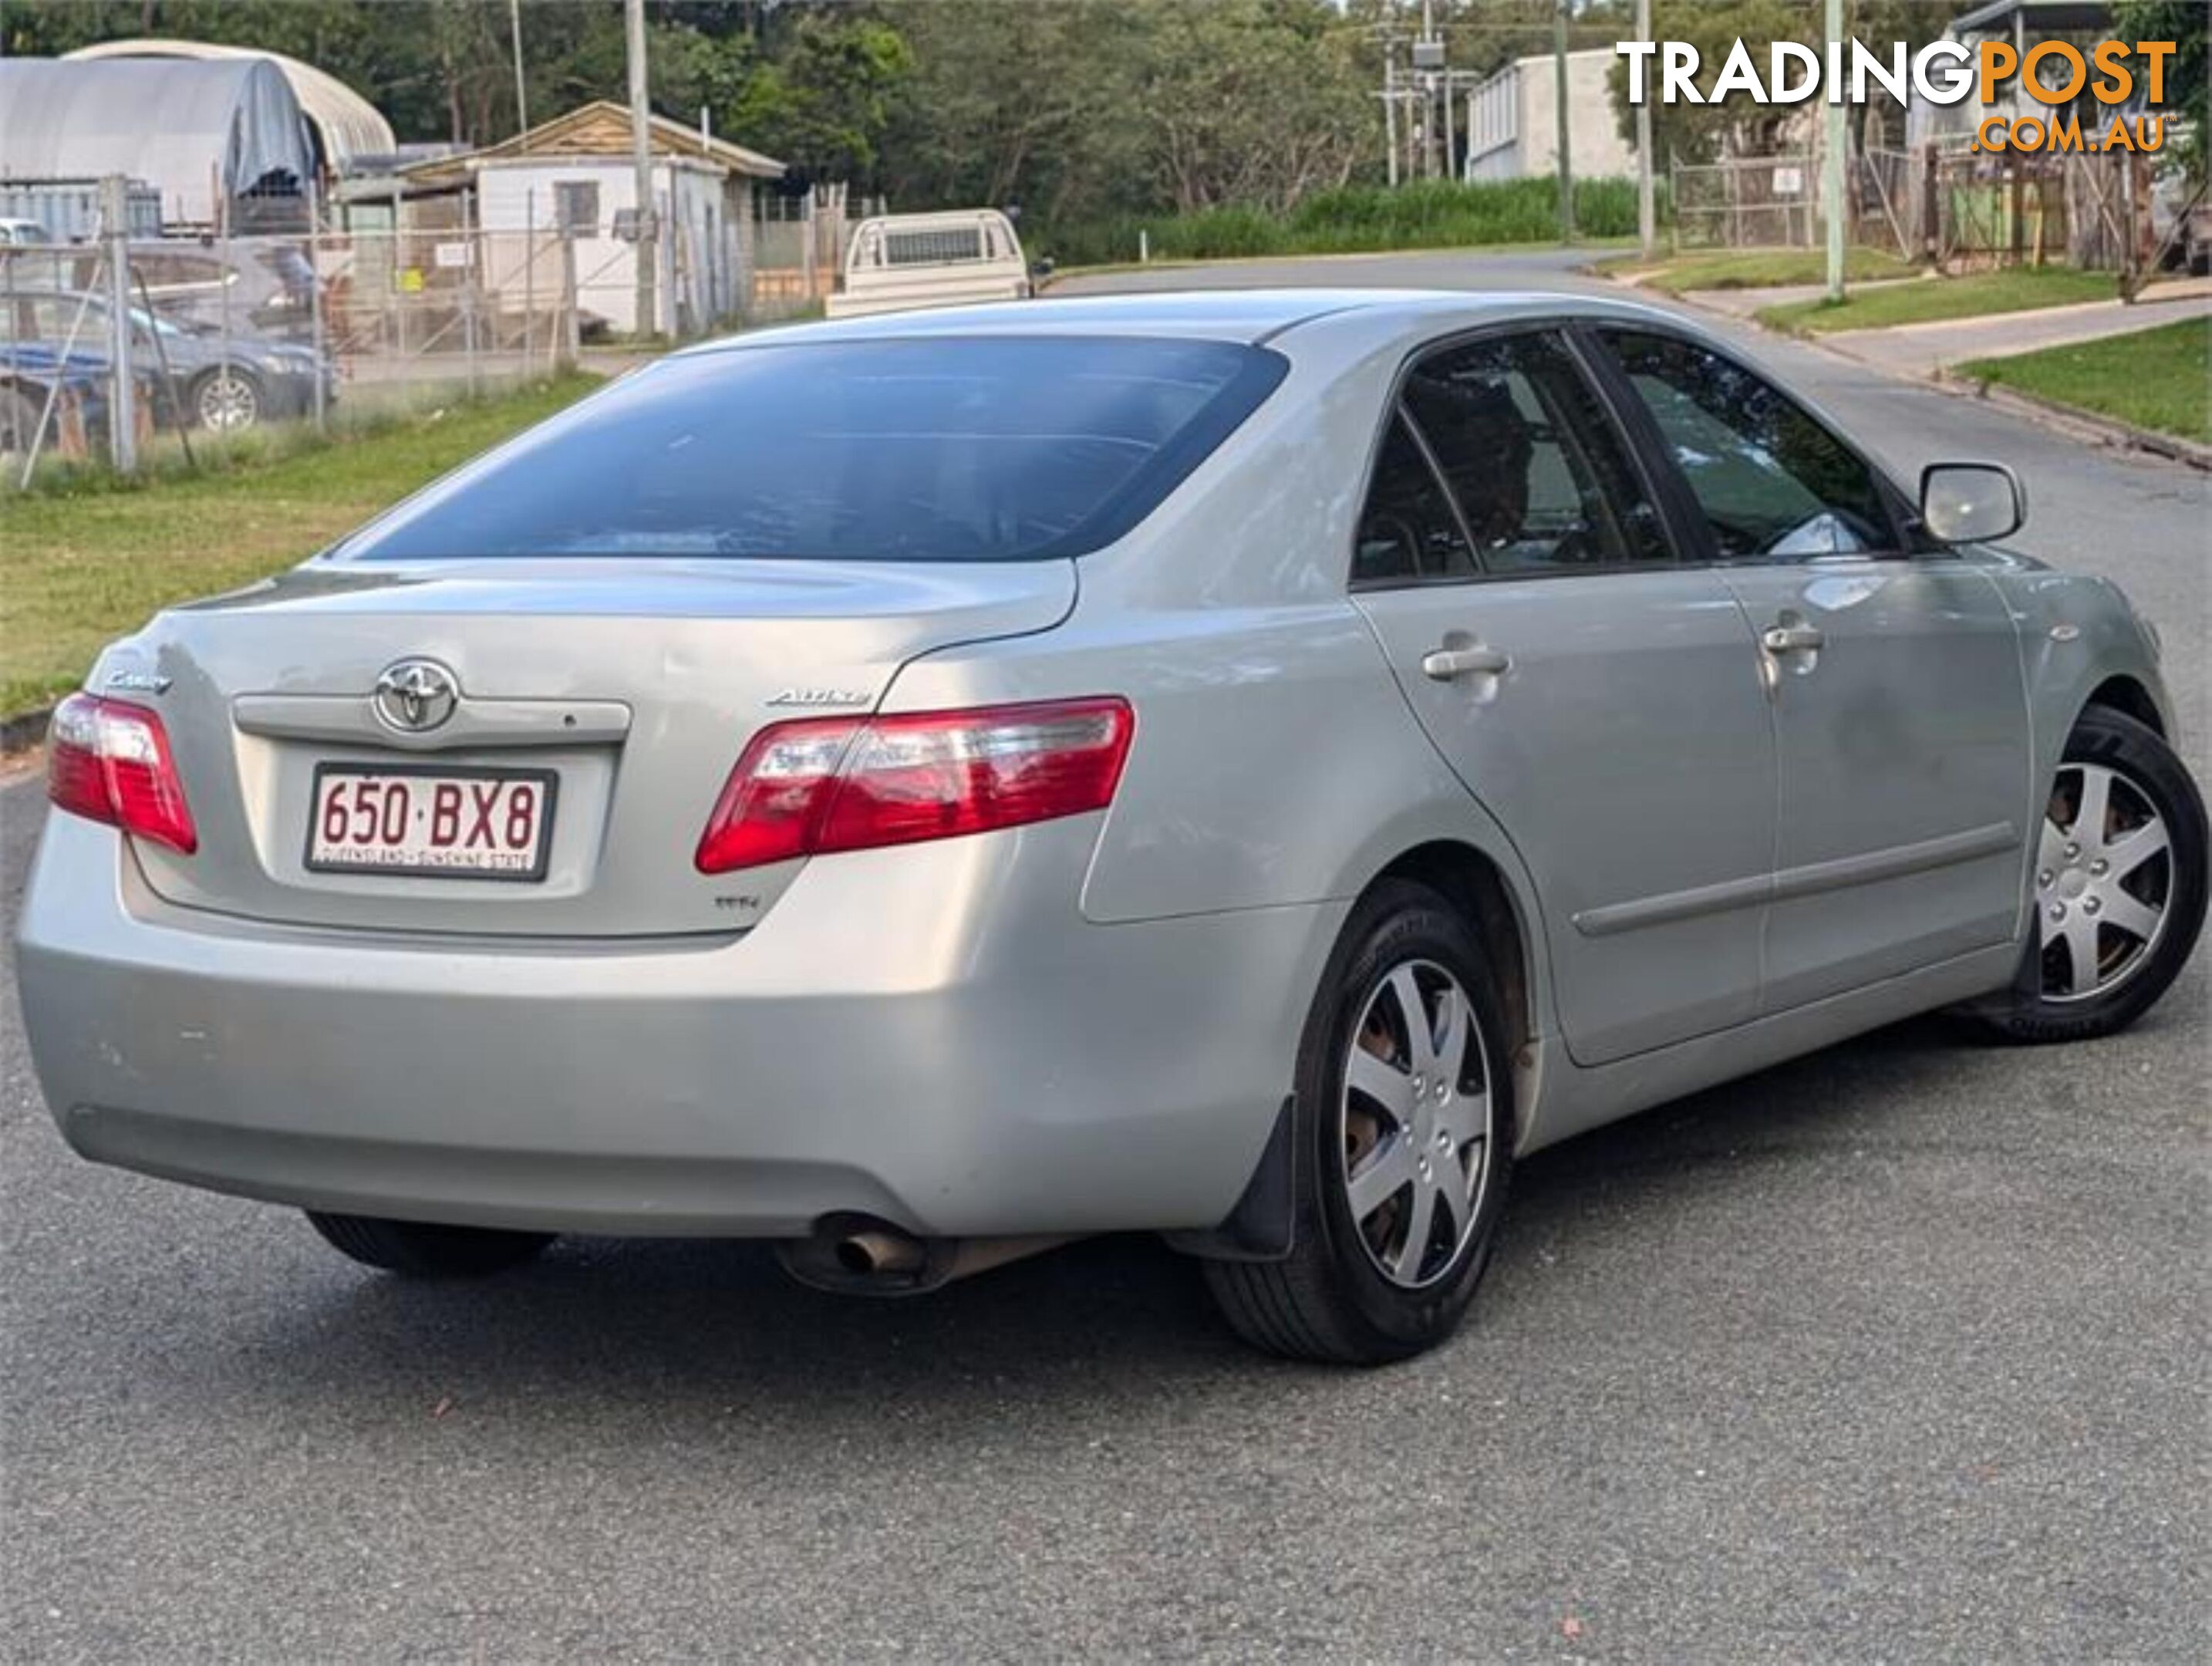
pixel 899 261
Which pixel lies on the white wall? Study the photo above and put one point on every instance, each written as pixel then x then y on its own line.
pixel 698 262
pixel 1595 147
pixel 1513 124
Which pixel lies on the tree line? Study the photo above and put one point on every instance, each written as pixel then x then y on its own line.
pixel 1083 112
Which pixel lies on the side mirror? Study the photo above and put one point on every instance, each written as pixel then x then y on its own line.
pixel 1971 502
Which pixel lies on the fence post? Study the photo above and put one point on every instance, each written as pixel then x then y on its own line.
pixel 572 331
pixel 315 335
pixel 123 402
pixel 529 276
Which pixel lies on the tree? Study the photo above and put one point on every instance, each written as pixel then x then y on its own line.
pixel 2187 24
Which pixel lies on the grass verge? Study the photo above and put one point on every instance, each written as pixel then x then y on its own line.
pixel 2020 289
pixel 84 559
pixel 2159 378
pixel 1760 269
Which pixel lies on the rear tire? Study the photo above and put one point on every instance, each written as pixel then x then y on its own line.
pixel 2088 876
pixel 1404 1144
pixel 419 1250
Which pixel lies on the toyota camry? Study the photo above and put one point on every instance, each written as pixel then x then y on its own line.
pixel 1246 766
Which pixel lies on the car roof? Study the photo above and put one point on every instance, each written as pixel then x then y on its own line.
pixel 1250 316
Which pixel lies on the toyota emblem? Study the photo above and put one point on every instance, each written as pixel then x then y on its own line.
pixel 415 696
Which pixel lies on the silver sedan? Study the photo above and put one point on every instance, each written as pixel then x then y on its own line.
pixel 1244 766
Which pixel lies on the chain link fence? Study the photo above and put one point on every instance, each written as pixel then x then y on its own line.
pixel 1745 202
pixel 115 346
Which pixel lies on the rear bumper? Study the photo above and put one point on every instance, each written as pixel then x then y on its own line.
pixel 932 1035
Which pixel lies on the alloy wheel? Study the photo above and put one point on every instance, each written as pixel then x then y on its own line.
pixel 2104 874
pixel 1416 1123
pixel 227 403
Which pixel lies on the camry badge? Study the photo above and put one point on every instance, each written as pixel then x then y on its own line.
pixel 822 697
pixel 415 696
pixel 138 682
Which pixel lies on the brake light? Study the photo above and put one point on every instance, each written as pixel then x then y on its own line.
pixel 109 761
pixel 826 784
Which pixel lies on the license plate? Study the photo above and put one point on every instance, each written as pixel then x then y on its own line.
pixel 431 821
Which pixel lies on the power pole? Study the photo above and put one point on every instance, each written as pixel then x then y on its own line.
pixel 1390 111
pixel 646 248
pixel 521 98
pixel 1559 92
pixel 1424 55
pixel 1647 217
pixel 1832 165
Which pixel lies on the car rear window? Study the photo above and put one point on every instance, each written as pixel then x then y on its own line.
pixel 947 448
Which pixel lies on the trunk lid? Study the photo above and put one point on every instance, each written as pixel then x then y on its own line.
pixel 636 683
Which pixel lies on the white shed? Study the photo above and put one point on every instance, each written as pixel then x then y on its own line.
pixel 574 172
pixel 1513 124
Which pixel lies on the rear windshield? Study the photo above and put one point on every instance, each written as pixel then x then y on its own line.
pixel 948 448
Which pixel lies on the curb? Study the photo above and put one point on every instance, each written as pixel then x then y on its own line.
pixel 2056 414
pixel 24 730
pixel 2072 421
pixel 2069 420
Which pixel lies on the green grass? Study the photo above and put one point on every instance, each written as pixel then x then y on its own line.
pixel 2157 378
pixel 2021 288
pixel 1427 214
pixel 1760 269
pixel 86 556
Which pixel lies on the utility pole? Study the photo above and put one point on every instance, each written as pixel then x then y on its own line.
pixel 1647 217
pixel 1425 54
pixel 1832 164
pixel 1559 93
pixel 646 248
pixel 521 98
pixel 1390 111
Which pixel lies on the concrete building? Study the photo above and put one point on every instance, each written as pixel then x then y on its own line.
pixel 1512 120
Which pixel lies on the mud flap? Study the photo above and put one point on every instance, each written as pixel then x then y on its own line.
pixel 1262 1227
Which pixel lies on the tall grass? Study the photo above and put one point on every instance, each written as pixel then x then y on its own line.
pixel 1428 214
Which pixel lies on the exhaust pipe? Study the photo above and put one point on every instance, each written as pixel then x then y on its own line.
pixel 864 1253
pixel 858 1255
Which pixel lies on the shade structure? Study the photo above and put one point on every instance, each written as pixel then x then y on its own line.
pixel 208 136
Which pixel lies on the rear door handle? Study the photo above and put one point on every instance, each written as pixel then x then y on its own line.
pixel 1444 663
pixel 1792 638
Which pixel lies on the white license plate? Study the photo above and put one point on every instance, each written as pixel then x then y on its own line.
pixel 430 820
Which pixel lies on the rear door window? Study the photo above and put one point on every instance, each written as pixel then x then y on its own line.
pixel 945 448
pixel 1544 482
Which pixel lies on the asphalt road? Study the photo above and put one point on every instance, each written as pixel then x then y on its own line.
pixel 1895 1352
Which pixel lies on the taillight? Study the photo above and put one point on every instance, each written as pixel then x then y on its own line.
pixel 825 784
pixel 109 761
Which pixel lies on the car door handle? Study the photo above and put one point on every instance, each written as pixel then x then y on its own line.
pixel 1444 663
pixel 1791 638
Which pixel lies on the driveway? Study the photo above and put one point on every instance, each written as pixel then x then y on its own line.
pixel 1895 1352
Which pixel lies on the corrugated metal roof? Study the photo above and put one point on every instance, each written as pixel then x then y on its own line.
pixel 600 128
pixel 349 125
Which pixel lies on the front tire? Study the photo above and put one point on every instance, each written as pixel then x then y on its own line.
pixel 1405 1127
pixel 2119 887
pixel 419 1250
